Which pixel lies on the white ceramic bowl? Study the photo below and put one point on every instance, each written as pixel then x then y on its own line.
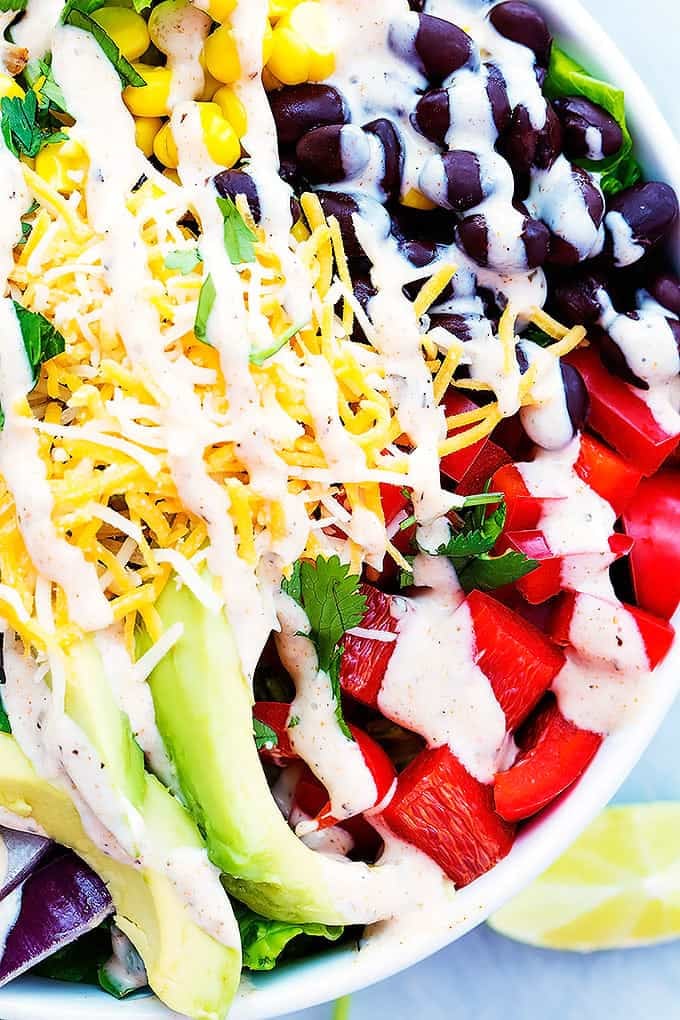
pixel 319 980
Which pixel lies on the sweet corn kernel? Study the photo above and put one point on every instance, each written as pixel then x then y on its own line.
pixel 150 100
pixel 172 175
pixel 146 129
pixel 415 199
pixel 210 86
pixel 232 108
pixel 302 48
pixel 127 29
pixel 164 148
pixel 219 136
pixel 63 165
pixel 219 10
pixel 277 8
pixel 9 88
pixel 221 55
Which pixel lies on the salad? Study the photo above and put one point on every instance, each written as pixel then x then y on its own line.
pixel 340 399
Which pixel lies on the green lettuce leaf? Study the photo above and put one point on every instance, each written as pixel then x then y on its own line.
pixel 566 77
pixel 263 940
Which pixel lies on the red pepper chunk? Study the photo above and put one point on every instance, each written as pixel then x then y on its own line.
pixel 657 634
pixel 622 417
pixel 365 660
pixel 474 465
pixel 652 519
pixel 606 473
pixel 520 661
pixel 442 810
pixel 523 510
pixel 554 754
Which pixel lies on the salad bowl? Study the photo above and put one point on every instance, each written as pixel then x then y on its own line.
pixel 338 972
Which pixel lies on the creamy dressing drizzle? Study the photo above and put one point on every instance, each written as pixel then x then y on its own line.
pixel 180 35
pixel 317 737
pixel 34 31
pixel 443 695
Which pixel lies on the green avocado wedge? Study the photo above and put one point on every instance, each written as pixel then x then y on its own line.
pixel 188 970
pixel 204 712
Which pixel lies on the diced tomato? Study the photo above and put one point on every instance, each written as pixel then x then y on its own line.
pixel 657 634
pixel 472 467
pixel 554 753
pixel 275 715
pixel 622 417
pixel 653 520
pixel 523 510
pixel 442 810
pixel 365 660
pixel 606 473
pixel 545 581
pixel 520 661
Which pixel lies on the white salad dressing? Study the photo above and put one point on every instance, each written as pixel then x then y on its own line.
pixel 180 34
pixel 546 420
pixel 443 695
pixel 34 31
pixel 316 735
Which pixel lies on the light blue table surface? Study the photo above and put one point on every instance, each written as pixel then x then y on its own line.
pixel 486 977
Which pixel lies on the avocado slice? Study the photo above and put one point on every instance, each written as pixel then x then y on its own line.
pixel 188 970
pixel 203 709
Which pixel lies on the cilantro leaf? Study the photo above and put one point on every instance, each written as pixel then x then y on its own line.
pixel 264 735
pixel 258 357
pixel 537 336
pixel 330 597
pixel 476 541
pixel 78 14
pixel 488 572
pixel 39 76
pixel 239 239
pixel 206 300
pixel 264 940
pixel 184 261
pixel 42 340
pixel 5 726
pixel 22 130
pixel 13 5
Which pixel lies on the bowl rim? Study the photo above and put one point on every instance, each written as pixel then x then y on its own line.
pixel 340 972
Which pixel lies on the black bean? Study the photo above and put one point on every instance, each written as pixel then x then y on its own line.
pixel 576 298
pixel 576 395
pixel 614 358
pixel 650 210
pixel 458 325
pixel 331 154
pixel 580 118
pixel 523 24
pixel 289 171
pixel 419 254
pixel 300 108
pixel 521 359
pixel 442 47
pixel 393 156
pixel 432 116
pixel 423 225
pixel 344 207
pixel 525 147
pixel 230 183
pixel 473 237
pixel 453 181
pixel 665 289
pixel 562 251
pixel 497 92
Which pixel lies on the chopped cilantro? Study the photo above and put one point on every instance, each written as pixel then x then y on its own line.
pixel 330 597
pixel 78 14
pixel 13 5
pixel 206 300
pixel 239 239
pixel 293 722
pixel 258 357
pixel 42 340
pixel 184 261
pixel 265 737
pixel 24 130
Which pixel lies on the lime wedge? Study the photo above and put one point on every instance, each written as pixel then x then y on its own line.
pixel 617 887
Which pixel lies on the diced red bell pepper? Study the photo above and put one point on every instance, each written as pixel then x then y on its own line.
pixel 365 660
pixel 310 797
pixel 622 417
pixel 472 467
pixel 523 510
pixel 554 753
pixel 442 810
pixel 606 473
pixel 657 634
pixel 545 581
pixel 520 661
pixel 275 715
pixel 653 520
